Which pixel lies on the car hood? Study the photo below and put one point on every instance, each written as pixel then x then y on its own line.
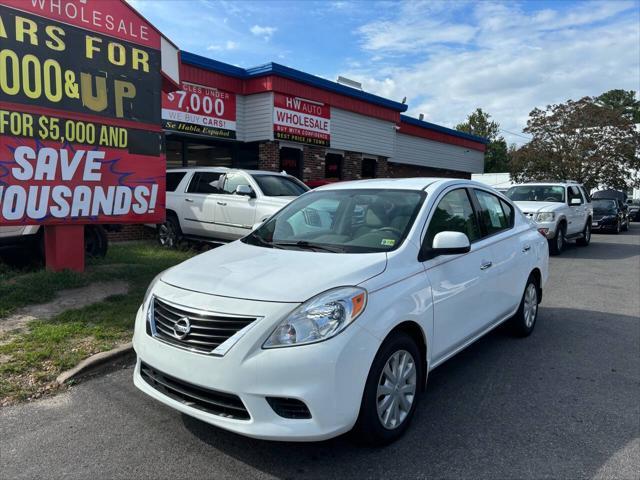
pixel 246 271
pixel 534 207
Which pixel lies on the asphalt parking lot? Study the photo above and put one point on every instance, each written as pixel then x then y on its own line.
pixel 564 403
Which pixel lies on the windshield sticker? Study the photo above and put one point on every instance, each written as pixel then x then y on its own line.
pixel 388 242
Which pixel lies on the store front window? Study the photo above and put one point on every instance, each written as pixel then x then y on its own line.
pixel 291 161
pixel 193 152
pixel 333 166
pixel 368 168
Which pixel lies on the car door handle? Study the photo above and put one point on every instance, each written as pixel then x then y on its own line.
pixel 222 203
pixel 526 248
pixel 486 265
pixel 188 200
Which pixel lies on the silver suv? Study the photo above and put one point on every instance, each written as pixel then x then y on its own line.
pixel 562 211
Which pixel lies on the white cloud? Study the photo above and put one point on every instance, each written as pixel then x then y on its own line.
pixel 502 59
pixel 264 32
pixel 228 45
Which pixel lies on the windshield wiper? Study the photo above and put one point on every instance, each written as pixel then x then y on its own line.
pixel 261 240
pixel 305 245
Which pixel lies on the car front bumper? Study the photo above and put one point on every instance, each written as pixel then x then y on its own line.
pixel 328 377
pixel 548 229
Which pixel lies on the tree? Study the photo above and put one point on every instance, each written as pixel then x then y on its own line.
pixel 580 140
pixel 479 123
pixel 622 100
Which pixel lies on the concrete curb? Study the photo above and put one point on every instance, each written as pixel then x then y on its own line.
pixel 94 361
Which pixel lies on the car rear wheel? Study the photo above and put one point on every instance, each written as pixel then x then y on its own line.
pixel 586 235
pixel 524 321
pixel 391 392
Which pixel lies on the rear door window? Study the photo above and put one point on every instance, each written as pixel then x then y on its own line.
pixel 173 180
pixel 204 182
pixel 492 216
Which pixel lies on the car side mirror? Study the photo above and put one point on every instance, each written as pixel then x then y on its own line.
pixel 446 243
pixel 575 201
pixel 245 190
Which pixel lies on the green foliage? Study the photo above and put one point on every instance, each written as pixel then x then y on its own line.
pixel 584 140
pixel 38 355
pixel 622 100
pixel 479 123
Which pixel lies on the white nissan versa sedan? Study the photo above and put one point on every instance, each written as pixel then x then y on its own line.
pixel 328 317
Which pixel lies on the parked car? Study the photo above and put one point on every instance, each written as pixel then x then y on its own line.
pixel 221 204
pixel 96 241
pixel 562 211
pixel 329 316
pixel 609 215
pixel 634 210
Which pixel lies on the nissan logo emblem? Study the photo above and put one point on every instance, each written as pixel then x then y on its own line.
pixel 182 328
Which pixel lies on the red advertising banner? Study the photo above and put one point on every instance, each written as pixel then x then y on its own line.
pixel 200 110
pixel 296 119
pixel 80 135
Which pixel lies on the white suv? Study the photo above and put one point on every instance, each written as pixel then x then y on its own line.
pixel 562 211
pixel 222 204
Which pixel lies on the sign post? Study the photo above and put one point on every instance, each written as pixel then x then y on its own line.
pixel 80 120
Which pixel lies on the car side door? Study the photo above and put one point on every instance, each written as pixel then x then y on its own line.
pixel 576 217
pixel 459 282
pixel 198 210
pixel 510 252
pixel 235 213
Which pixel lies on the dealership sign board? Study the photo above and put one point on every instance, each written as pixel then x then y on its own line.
pixel 296 119
pixel 200 110
pixel 80 134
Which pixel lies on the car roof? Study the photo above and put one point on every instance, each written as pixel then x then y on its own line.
pixel 223 169
pixel 415 183
pixel 553 184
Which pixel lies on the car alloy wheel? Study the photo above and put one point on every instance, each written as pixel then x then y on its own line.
pixel 396 389
pixel 560 240
pixel 167 235
pixel 530 305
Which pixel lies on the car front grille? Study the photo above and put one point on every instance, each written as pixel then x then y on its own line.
pixel 201 331
pixel 211 401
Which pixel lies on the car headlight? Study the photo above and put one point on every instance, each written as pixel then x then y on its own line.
pixel 150 288
pixel 545 217
pixel 319 318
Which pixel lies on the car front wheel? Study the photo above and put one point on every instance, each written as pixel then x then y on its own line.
pixel 391 392
pixel 169 233
pixel 556 244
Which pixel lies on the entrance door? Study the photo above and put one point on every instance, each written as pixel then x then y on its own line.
pixel 291 161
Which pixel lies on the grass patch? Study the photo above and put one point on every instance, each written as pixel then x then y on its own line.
pixel 31 360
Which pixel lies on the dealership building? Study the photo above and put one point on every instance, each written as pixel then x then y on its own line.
pixel 276 118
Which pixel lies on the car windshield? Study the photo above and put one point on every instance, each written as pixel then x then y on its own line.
pixel 280 186
pixel 604 205
pixel 536 193
pixel 342 221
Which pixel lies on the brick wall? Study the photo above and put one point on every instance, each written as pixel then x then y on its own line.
pixel 131 232
pixel 269 156
pixel 382 168
pixel 400 170
pixel 352 166
pixel 313 162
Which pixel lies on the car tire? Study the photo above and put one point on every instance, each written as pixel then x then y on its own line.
pixel 169 232
pixel 586 235
pixel 388 405
pixel 96 241
pixel 625 227
pixel 524 321
pixel 557 243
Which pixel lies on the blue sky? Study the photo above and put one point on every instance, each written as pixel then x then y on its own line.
pixel 447 58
